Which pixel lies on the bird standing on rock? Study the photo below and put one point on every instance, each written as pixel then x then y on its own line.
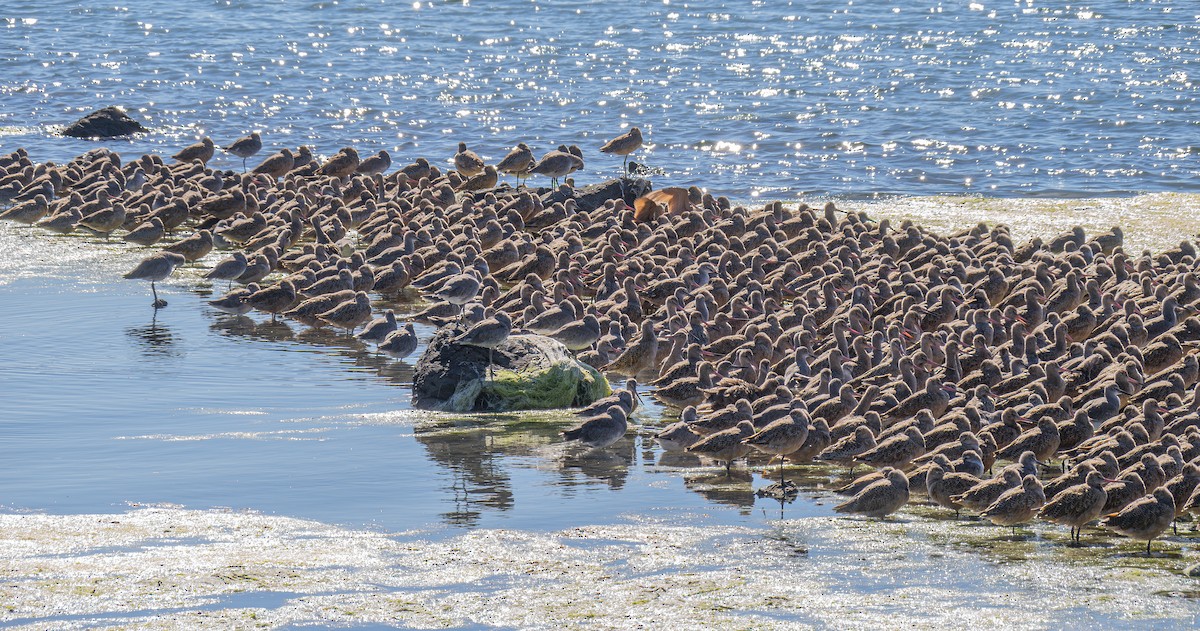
pixel 624 145
pixel 489 333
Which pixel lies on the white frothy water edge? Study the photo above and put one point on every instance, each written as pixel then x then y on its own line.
pixel 167 567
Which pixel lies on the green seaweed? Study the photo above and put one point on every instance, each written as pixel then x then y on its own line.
pixel 554 387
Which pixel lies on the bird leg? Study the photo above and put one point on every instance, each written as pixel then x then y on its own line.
pixel 158 302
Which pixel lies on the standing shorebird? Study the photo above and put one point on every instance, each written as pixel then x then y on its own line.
pixel 202 151
pixel 1146 518
pixel 459 290
pixel 1077 505
pixel 557 164
pixel 155 268
pixel 624 145
pixel 400 343
pixel 1017 505
pixel 725 446
pixel 517 162
pixel 639 356
pixel 245 147
pixel 229 269
pixel 600 431
pixel 467 162
pixel 489 333
pixel 781 437
pixel 880 498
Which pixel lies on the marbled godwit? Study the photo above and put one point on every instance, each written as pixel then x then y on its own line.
pixel 480 181
pixel 1145 518
pixel 146 233
pixel 624 145
pixel 600 431
pixel 489 334
pixel 154 268
pixel 897 451
pixel 275 299
pixel 1017 505
pixel 880 498
pixel 678 436
pixel 577 336
pixel 105 220
pixel 245 147
pixel 379 328
pixel 984 494
pixel 376 164
pixel 202 151
pixel 725 446
pixel 417 170
pixel 28 212
pixel 724 418
pixel 781 437
pixel 1077 505
pixel 350 313
pixel 639 356
pixel 342 164
pixel 63 223
pixel 277 164
pixel 517 162
pixel 229 269
pixel 556 164
pixel 467 162
pixel 234 302
pixel 849 447
pixel 193 247
pixel 459 290
pixel 943 487
pixel 400 343
pixel 1042 440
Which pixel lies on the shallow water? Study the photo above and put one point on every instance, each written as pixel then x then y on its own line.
pixel 781 99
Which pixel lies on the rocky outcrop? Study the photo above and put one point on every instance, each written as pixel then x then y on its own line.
pixel 532 372
pixel 593 196
pixel 110 122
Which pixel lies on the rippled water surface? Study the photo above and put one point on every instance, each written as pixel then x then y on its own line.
pixel 778 98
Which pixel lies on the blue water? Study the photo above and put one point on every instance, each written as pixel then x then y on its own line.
pixel 777 99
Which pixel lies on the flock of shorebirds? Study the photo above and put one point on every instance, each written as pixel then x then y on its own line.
pixel 806 334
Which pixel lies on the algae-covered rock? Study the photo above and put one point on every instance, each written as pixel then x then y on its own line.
pixel 532 372
pixel 110 122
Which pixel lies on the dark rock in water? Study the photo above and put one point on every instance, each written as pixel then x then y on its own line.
pixel 109 122
pixel 532 372
pixel 785 491
pixel 593 196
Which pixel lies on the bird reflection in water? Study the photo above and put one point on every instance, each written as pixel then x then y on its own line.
pixel 609 465
pixel 154 339
pixel 326 341
pixel 470 456
pixel 732 489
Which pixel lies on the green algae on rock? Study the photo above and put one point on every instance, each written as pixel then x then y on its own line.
pixel 533 372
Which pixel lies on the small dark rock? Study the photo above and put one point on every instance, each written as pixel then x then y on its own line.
pixel 110 122
pixel 787 490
